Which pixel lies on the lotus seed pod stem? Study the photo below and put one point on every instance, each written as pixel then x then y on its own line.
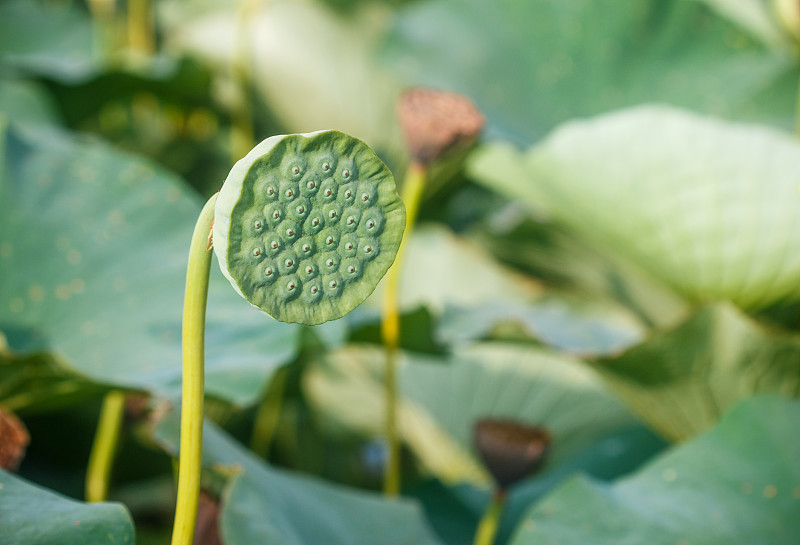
pixel 304 228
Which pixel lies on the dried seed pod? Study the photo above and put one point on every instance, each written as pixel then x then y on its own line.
pixel 510 450
pixel 14 439
pixel 436 121
pixel 283 254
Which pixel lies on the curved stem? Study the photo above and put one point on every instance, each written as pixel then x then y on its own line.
pixel 411 194
pixel 194 322
pixel 487 528
pixel 106 439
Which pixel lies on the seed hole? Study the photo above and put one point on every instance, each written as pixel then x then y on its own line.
pixel 367 249
pixel 306 247
pixel 257 224
pixel 295 170
pixel 289 262
pixel 289 193
pixel 314 289
pixel 290 286
pixel 270 190
pixel 311 184
pixel 300 209
pixel 370 224
pixel 276 214
pixel 309 269
pixel 365 196
pixel 332 213
pixel 268 271
pixel 329 263
pixel 332 283
pixel 274 244
pixel 346 173
pixel 350 220
pixel 349 245
pixel 289 233
pixel 326 166
pixel 351 269
pixel 257 252
pixel 329 240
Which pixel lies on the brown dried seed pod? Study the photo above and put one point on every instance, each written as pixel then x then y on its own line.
pixel 14 439
pixel 510 450
pixel 436 121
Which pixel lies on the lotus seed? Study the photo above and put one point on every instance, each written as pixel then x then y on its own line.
pixel 270 190
pixel 290 286
pixel 276 214
pixel 268 271
pixel 350 220
pixel 332 214
pixel 367 249
pixel 306 248
pixel 311 184
pixel 295 170
pixel 274 244
pixel 314 289
pixel 289 263
pixel 257 224
pixel 315 222
pixel 257 252
pixel 329 262
pixel 332 283
pixel 349 245
pixel 370 223
pixel 351 269
pixel 309 269
pixel 365 196
pixel 329 240
pixel 348 194
pixel 300 209
pixel 326 166
pixel 290 193
pixel 346 173
pixel 328 192
pixel 289 233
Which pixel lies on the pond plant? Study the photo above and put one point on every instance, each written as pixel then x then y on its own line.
pixel 304 228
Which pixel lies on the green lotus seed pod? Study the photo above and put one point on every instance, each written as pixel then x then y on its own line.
pixel 306 225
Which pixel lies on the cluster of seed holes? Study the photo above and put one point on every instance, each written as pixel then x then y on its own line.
pixel 297 235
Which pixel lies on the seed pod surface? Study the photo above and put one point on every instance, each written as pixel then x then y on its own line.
pixel 287 226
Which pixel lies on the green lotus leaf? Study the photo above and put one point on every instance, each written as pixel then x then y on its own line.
pixel 707 207
pixel 442 398
pixel 264 504
pixel 737 484
pixel 30 515
pixel 682 380
pixel 306 225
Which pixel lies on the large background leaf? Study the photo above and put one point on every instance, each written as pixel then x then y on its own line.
pixel 264 504
pixel 30 515
pixel 531 65
pixel 738 484
pixel 683 380
pixel 93 259
pixel 441 400
pixel 707 207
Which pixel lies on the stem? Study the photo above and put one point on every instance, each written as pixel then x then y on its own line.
pixel 267 416
pixel 194 322
pixel 411 194
pixel 242 131
pixel 101 459
pixel 487 528
pixel 140 27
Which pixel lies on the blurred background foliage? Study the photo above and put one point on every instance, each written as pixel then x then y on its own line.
pixel 618 260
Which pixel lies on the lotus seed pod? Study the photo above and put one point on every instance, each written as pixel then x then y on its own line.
pixel 510 450
pixel 306 225
pixel 436 121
